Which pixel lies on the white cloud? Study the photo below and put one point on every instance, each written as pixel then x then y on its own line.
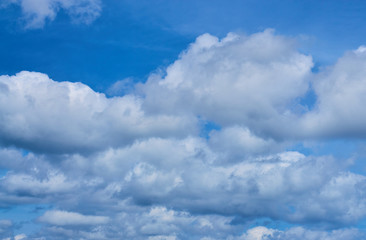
pixel 43 115
pixel 259 233
pixel 171 175
pixel 287 186
pixel 239 80
pixel 341 94
pixel 238 143
pixel 62 218
pixel 255 82
pixel 121 87
pixel 25 184
pixel 149 172
pixel 139 222
pixel 160 237
pixel 20 236
pixel 37 12
pixel 263 233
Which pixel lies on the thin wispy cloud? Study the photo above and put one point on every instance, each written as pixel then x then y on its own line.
pixel 36 13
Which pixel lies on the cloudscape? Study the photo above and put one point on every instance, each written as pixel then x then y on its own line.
pixel 167 120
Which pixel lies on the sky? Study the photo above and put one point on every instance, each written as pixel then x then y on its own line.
pixel 170 119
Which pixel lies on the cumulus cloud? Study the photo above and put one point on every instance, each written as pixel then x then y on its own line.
pixel 238 80
pixel 340 90
pixel 238 142
pixel 136 166
pixel 188 175
pixel 286 186
pixel 37 12
pixel 40 114
pixel 24 184
pixel 256 82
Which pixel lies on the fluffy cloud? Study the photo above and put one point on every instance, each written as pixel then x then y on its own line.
pixel 237 143
pixel 340 89
pixel 138 166
pixel 43 115
pixel 149 223
pixel 188 175
pixel 256 82
pixel 37 12
pixel 241 80
pixel 286 186
pixel 24 184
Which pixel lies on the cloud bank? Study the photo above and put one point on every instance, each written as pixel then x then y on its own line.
pixel 205 149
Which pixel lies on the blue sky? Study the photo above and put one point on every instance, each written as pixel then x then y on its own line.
pixel 132 39
pixel 182 119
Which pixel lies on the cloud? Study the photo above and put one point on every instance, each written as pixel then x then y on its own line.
pixel 258 233
pixel 20 236
pixel 121 87
pixel 37 12
pixel 250 81
pixel 137 166
pixel 138 222
pixel 340 90
pixel 24 184
pixel 238 142
pixel 188 175
pixel 257 83
pixel 263 233
pixel 61 218
pixel 40 114
pixel 6 228
pixel 286 186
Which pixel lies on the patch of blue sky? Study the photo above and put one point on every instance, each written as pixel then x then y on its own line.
pixel 3 172
pixel 361 225
pixel 268 223
pixel 131 39
pixel 207 127
pixel 25 152
pixel 315 24
pixel 24 217
pixel 306 102
pixel 111 49
pixel 351 152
